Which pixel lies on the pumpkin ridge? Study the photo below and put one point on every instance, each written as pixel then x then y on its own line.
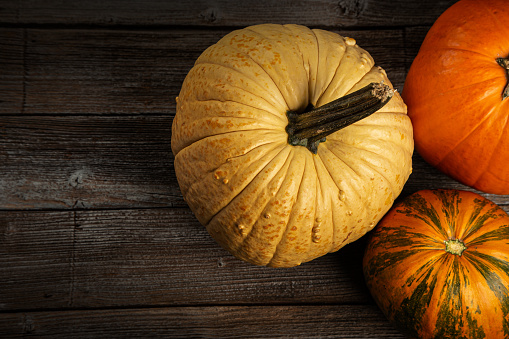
pixel 207 81
pixel 495 283
pixel 287 224
pixel 501 26
pixel 457 91
pixel 324 89
pixel 487 164
pixel 320 186
pixel 337 83
pixel 244 90
pixel 475 220
pixel 449 313
pixel 270 126
pixel 449 202
pixel 284 167
pixel 500 233
pixel 237 156
pixel 281 117
pixel 467 135
pixel 263 37
pixel 412 309
pixel 478 221
pixel 318 158
pixel 291 33
pixel 273 131
pixel 340 158
pixel 467 51
pixel 206 224
pixel 305 213
pixel 237 131
pixel 265 90
pixel 327 164
pixel 319 196
pixel 499 264
pixel 383 261
pixel 382 141
pixel 416 206
pixel 311 82
pixel 408 242
pixel 372 166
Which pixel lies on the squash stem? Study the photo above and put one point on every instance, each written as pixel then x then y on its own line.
pixel 455 246
pixel 505 64
pixel 312 127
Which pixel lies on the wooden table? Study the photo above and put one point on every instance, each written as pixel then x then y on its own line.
pixel 95 238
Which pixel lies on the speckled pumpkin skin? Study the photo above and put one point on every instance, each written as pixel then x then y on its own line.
pixel 265 201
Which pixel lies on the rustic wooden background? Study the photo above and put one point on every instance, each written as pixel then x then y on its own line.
pixel 95 238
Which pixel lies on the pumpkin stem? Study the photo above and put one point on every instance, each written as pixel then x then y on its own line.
pixel 505 64
pixel 311 127
pixel 455 246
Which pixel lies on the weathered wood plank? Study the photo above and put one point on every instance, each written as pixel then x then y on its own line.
pixel 35 259
pixel 96 71
pixel 76 162
pixel 325 321
pixel 11 70
pixel 117 71
pixel 167 257
pixel 329 13
pixel 111 162
pixel 86 162
pixel 152 257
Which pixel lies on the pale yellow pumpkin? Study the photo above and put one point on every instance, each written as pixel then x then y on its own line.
pixel 264 200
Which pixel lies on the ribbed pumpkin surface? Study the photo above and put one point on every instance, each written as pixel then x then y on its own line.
pixel 264 200
pixel 423 287
pixel 455 94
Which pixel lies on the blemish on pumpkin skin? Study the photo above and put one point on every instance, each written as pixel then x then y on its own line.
pixel 389 200
pixel 342 195
pixel 348 235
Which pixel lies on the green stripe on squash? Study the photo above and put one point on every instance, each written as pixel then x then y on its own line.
pixel 422 286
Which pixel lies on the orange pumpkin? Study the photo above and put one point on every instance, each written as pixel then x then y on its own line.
pixel 456 93
pixel 438 266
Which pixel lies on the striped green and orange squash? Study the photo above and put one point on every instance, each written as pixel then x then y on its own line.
pixel 438 266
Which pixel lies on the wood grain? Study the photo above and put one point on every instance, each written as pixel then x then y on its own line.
pixel 130 72
pixel 89 162
pixel 36 250
pixel 86 162
pixel 95 238
pixel 320 321
pixel 124 258
pixel 12 46
pixel 358 13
